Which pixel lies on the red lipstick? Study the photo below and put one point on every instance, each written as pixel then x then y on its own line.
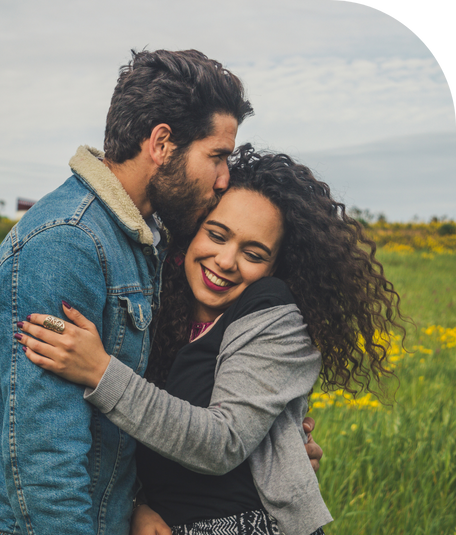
pixel 213 286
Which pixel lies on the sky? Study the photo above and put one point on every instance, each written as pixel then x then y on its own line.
pixel 343 87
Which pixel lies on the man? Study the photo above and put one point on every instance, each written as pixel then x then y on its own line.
pixel 171 126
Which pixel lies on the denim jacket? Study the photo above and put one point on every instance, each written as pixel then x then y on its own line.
pixel 64 467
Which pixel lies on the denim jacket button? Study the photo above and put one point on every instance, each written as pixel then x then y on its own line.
pixel 147 251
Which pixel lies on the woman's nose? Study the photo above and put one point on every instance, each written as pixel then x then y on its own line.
pixel 226 259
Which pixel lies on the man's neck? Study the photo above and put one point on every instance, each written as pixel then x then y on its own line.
pixel 134 176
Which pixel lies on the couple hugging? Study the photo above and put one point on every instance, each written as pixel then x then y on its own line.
pixel 205 290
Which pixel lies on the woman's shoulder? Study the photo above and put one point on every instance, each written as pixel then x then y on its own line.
pixel 260 295
pixel 269 288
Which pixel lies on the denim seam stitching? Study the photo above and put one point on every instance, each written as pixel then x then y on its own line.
pixel 97 450
pixel 144 354
pixel 80 210
pixel 99 247
pixel 107 493
pixel 121 331
pixel 120 290
pixel 12 402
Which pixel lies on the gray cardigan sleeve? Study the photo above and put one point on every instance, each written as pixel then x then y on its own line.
pixel 266 360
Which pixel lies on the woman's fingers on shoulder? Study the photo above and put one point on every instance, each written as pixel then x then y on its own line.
pixel 44 349
pixel 75 317
pixel 78 318
pixel 39 360
pixel 308 424
pixel 37 319
pixel 33 326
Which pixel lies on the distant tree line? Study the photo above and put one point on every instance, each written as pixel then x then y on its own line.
pixel 444 226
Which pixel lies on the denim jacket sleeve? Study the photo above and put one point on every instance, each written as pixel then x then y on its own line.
pixel 45 451
pixel 266 360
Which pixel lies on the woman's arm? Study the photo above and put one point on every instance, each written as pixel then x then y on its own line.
pixel 266 360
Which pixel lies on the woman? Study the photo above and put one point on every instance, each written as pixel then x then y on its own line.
pixel 276 245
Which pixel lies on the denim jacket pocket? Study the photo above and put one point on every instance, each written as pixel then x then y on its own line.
pixel 139 310
pixel 137 316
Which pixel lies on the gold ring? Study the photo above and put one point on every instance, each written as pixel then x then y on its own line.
pixel 54 324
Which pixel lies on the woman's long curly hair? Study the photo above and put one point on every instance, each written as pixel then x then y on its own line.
pixel 326 261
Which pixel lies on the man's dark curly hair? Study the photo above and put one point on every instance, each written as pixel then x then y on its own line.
pixel 326 261
pixel 181 89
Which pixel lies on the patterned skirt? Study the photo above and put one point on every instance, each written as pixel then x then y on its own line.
pixel 250 523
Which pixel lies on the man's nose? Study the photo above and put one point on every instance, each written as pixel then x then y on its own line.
pixel 223 179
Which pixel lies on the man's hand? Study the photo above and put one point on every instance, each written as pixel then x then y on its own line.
pixel 145 521
pixel 314 451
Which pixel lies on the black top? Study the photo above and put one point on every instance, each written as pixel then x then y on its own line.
pixel 179 495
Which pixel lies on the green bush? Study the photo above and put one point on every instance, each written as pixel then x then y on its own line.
pixel 5 226
pixel 447 228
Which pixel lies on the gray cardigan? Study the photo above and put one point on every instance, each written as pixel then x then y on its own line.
pixel 265 369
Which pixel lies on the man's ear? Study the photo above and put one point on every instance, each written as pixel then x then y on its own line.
pixel 160 145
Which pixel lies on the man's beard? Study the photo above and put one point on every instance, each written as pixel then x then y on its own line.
pixel 177 199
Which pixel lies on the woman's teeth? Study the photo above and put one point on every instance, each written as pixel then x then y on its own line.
pixel 213 278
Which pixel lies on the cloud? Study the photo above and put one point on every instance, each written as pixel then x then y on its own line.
pixel 401 177
pixel 319 104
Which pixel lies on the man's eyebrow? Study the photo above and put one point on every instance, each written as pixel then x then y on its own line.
pixel 222 151
pixel 252 242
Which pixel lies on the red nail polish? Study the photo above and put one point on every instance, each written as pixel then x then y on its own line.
pixel 18 336
pixel 20 324
pixel 65 304
pixel 29 317
pixel 24 349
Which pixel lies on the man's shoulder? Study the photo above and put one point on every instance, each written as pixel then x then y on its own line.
pixel 72 205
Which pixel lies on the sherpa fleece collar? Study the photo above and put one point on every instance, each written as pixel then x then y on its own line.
pixel 86 163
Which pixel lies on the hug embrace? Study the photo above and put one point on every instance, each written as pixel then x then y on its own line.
pixel 165 314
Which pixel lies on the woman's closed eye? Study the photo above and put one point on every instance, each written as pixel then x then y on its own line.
pixel 254 257
pixel 215 236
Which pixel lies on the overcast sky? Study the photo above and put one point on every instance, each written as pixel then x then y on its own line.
pixel 348 90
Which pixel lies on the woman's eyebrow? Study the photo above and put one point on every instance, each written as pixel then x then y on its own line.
pixel 217 224
pixel 252 242
pixel 261 246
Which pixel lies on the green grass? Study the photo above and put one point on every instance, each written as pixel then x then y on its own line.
pixel 426 284
pixel 392 471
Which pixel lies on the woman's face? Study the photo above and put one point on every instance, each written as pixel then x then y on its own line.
pixel 236 245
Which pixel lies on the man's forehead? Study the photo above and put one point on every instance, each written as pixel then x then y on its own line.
pixel 224 125
pixel 223 135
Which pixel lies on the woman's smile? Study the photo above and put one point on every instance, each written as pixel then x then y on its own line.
pixel 214 282
pixel 236 245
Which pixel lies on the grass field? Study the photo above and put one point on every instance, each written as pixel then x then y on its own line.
pixel 392 470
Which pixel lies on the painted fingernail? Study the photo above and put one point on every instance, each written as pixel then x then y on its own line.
pixel 29 317
pixel 65 304
pixel 18 336
pixel 24 349
pixel 20 324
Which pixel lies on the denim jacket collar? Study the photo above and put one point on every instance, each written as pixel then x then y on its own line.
pixel 88 167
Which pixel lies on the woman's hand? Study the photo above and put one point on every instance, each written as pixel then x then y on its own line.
pixel 144 521
pixel 77 354
pixel 314 451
